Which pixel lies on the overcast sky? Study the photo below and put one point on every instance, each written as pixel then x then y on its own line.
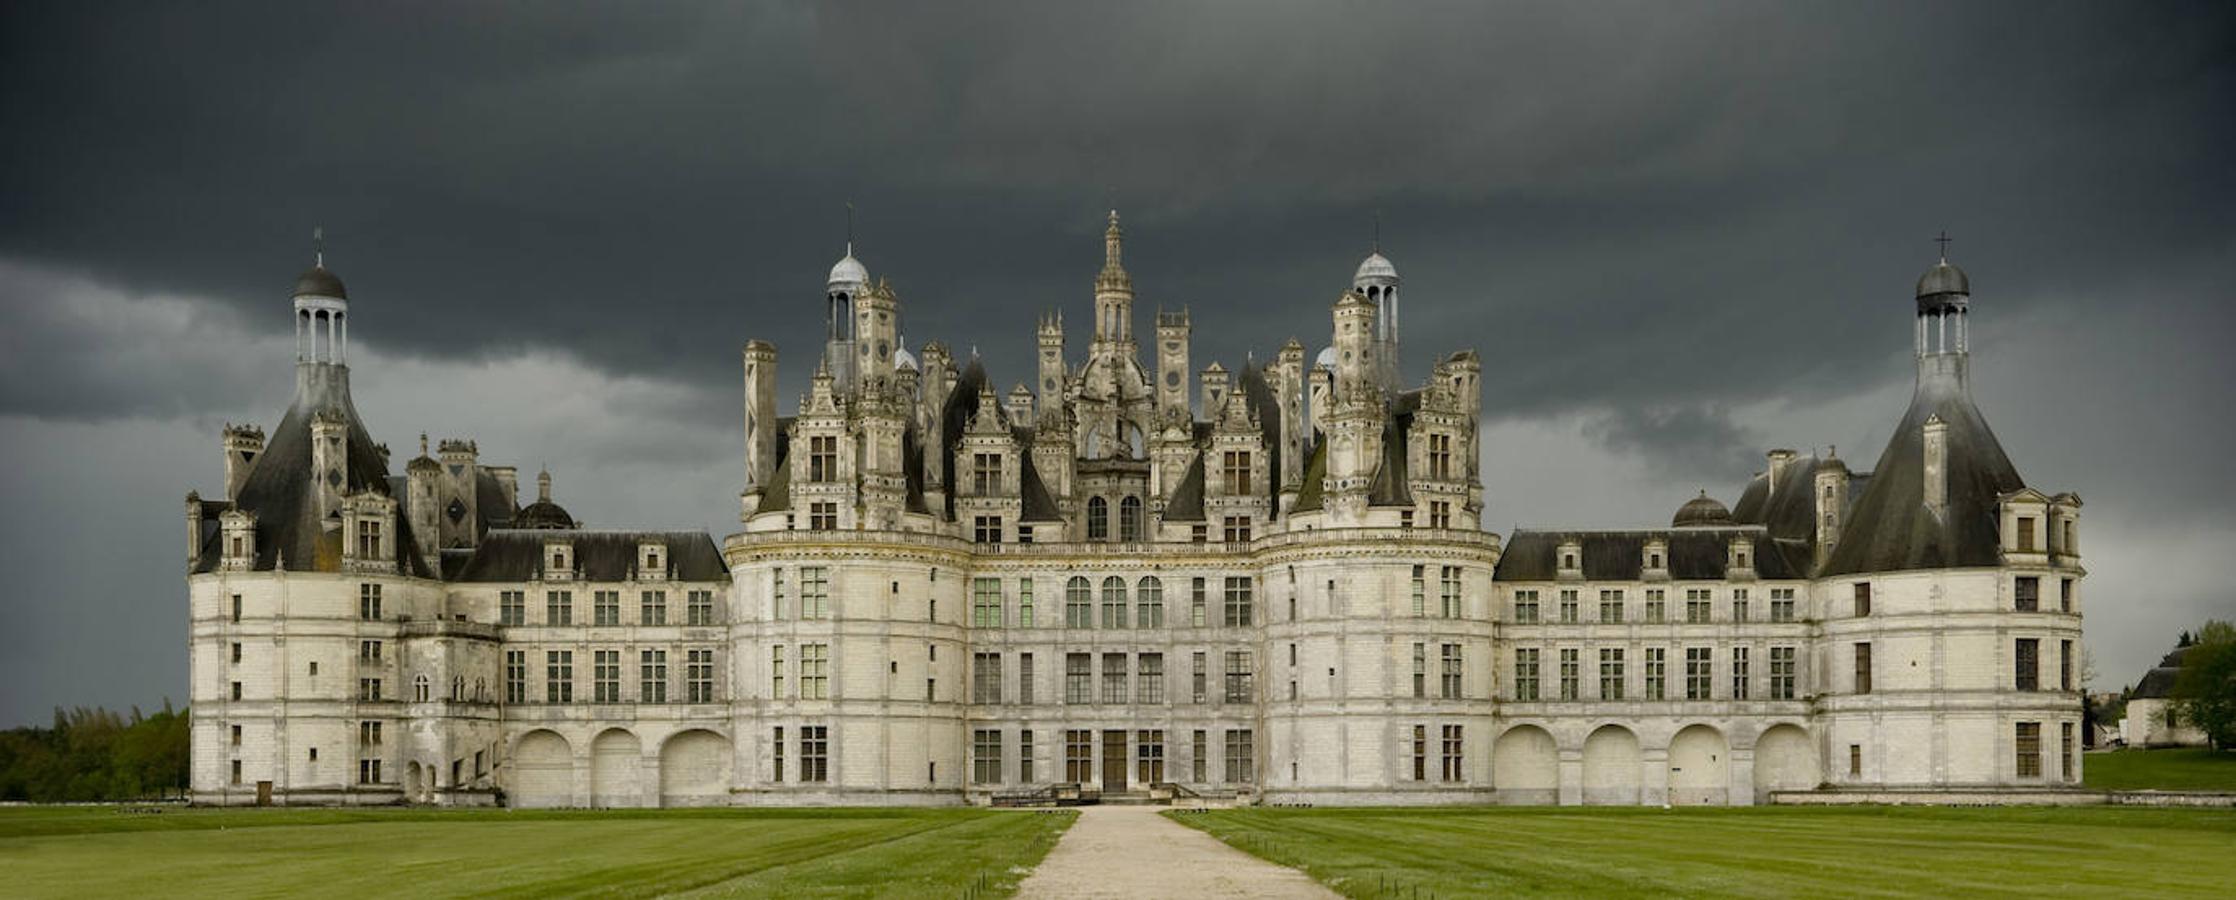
pixel 1678 234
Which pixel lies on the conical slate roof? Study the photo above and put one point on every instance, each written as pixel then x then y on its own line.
pixel 1890 528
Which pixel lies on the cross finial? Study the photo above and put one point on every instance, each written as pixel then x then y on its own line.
pixel 1377 231
pixel 850 228
pixel 1944 240
pixel 318 244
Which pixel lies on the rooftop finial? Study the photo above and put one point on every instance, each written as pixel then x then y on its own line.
pixel 423 443
pixel 543 484
pixel 318 243
pixel 1377 231
pixel 1944 240
pixel 850 228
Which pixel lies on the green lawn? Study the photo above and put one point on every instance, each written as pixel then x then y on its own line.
pixel 100 852
pixel 2187 769
pixel 1762 852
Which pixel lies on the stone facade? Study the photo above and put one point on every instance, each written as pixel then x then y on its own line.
pixel 1269 582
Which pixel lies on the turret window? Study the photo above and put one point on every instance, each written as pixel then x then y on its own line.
pixel 1235 465
pixel 2026 593
pixel 822 516
pixel 986 529
pixel 1440 514
pixel 822 458
pixel 1237 529
pixel 986 474
pixel 1440 456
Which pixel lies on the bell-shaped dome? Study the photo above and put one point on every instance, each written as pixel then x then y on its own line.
pixel 318 281
pixel 1943 278
pixel 543 514
pixel 1701 512
pixel 1375 270
pixel 850 271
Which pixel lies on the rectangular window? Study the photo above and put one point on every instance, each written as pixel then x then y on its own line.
pixel 1697 609
pixel 367 651
pixel 1197 617
pixel 1199 756
pixel 1571 673
pixel 815 753
pixel 815 671
pixel 1781 604
pixel 605 676
pixel 986 474
pixel 1611 673
pixel 652 608
pixel 2065 665
pixel 985 678
pixel 822 515
pixel 1079 756
pixel 815 592
pixel 699 608
pixel 652 676
pixel 2069 754
pixel 1420 590
pixel 986 602
pixel 1420 753
pixel 1568 607
pixel 2026 534
pixel 558 608
pixel 559 676
pixel 1440 456
pixel 776 754
pixel 2027 593
pixel 1025 756
pixel 1698 672
pixel 367 689
pixel 1024 603
pixel 1238 602
pixel 368 771
pixel 368 602
pixel 1199 683
pixel 1420 670
pixel 1525 607
pixel 1235 466
pixel 1657 606
pixel 236 735
pixel 1863 668
pixel 1025 679
pixel 368 734
pixel 1855 760
pixel 2028 662
pixel 1739 604
pixel 1450 686
pixel 1236 529
pixel 1114 678
pixel 1610 607
pixel 516 676
pixel 1150 685
pixel 985 756
pixel 1454 761
pixel 1240 686
pixel 776 671
pixel 1149 756
pixel 2029 747
pixel 1448 583
pixel 1078 678
pixel 2064 597
pixel 1862 599
pixel 1782 673
pixel 822 458
pixel 1657 672
pixel 1241 757
pixel 776 593
pixel 1440 514
pixel 237 607
pixel 1738 673
pixel 605 608
pixel 512 608
pixel 1525 673
pixel 698 675
pixel 986 529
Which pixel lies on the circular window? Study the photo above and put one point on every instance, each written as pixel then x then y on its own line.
pixel 1172 379
pixel 1048 385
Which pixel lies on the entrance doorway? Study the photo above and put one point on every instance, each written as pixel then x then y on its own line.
pixel 1114 761
pixel 263 793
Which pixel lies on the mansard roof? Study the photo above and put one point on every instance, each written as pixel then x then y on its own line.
pixel 516 555
pixel 1695 554
pixel 279 486
pixel 1891 529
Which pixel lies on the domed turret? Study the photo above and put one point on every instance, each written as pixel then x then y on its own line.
pixel 849 272
pixel 1375 271
pixel 1701 512
pixel 543 514
pixel 318 281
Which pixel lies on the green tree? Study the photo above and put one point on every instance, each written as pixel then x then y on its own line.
pixel 2204 693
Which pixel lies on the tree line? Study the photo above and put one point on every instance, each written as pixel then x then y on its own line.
pixel 95 754
pixel 2204 694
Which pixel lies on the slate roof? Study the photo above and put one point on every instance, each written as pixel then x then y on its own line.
pixel 512 555
pixel 2158 683
pixel 279 483
pixel 1890 529
pixel 1694 554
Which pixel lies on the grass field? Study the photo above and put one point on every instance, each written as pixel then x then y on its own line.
pixel 99 852
pixel 2160 770
pixel 1761 852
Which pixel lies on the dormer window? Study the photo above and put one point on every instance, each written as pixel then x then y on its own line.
pixel 2026 534
pixel 652 562
pixel 986 474
pixel 1235 464
pixel 557 561
pixel 368 539
pixel 1440 456
pixel 822 458
pixel 1653 560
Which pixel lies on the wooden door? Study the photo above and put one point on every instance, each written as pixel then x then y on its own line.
pixel 263 793
pixel 1114 761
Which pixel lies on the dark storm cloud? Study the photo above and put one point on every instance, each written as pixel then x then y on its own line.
pixel 1654 219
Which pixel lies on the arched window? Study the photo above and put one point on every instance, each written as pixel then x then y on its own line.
pixel 458 688
pixel 1079 608
pixel 1113 602
pixel 1129 519
pixel 1098 519
pixel 1149 600
pixel 419 689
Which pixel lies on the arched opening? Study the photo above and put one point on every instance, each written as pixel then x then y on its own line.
pixel 1098 519
pixel 1699 768
pixel 1113 602
pixel 695 769
pixel 1129 519
pixel 1785 760
pixel 419 689
pixel 543 771
pixel 1079 610
pixel 1149 597
pixel 1611 767
pixel 413 790
pixel 1525 766
pixel 615 758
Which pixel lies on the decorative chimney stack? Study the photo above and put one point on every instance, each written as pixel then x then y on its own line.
pixel 243 443
pixel 1832 502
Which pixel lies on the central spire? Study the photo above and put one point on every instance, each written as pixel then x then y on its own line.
pixel 1113 250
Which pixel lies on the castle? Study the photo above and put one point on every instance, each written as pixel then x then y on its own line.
pixel 1270 583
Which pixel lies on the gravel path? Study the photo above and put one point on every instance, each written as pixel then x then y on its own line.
pixel 1131 851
